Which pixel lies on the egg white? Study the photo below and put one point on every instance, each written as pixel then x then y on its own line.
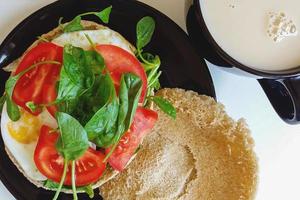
pixel 101 36
pixel 23 153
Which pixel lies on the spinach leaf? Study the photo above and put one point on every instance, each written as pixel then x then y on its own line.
pixel 144 30
pixel 129 94
pixel 67 89
pixel 12 110
pixel 73 140
pixel 100 125
pixel 91 101
pixel 104 14
pixel 95 61
pixel 77 75
pixel 134 88
pixel 76 66
pixel 75 24
pixel 164 105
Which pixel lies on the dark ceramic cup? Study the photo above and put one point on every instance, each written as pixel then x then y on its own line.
pixel 281 87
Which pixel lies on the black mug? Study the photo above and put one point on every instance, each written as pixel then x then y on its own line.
pixel 281 87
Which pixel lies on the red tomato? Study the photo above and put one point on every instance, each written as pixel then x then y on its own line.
pixel 119 61
pixel 30 86
pixel 142 124
pixel 49 95
pixel 89 168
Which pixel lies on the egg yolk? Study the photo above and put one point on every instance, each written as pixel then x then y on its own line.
pixel 26 129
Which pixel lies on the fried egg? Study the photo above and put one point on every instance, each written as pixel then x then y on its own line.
pixel 101 36
pixel 20 138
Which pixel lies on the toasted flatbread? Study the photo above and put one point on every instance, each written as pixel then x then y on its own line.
pixel 202 155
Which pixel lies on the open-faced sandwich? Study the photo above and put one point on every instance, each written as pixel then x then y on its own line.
pixel 78 104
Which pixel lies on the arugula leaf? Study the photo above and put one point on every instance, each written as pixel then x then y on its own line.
pixel 75 24
pixel 164 105
pixel 73 140
pixel 144 30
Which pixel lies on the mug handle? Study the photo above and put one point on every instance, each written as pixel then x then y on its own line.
pixel 284 95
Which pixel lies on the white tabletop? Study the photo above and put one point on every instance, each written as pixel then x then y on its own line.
pixel 277 144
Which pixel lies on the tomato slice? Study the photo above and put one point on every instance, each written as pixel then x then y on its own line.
pixel 30 86
pixel 119 61
pixel 89 168
pixel 143 122
pixel 49 95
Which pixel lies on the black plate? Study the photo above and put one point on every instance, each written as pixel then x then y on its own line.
pixel 181 66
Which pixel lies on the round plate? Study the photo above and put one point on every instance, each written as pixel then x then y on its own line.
pixel 181 65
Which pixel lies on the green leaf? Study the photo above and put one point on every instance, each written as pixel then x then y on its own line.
pixel 2 101
pixel 76 65
pixel 67 89
pixel 99 127
pixel 77 75
pixel 32 106
pixel 53 185
pixel 88 189
pixel 164 105
pixel 104 14
pixel 95 61
pixel 129 94
pixel 12 110
pixel 134 87
pixel 10 85
pixel 73 140
pixel 74 25
pixel 144 31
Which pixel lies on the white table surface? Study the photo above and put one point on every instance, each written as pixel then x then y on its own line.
pixel 277 144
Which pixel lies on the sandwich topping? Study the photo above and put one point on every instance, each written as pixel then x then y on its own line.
pixel 80 102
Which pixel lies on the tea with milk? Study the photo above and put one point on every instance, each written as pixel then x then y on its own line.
pixel 261 34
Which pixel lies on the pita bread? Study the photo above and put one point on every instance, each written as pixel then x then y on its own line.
pixel 201 155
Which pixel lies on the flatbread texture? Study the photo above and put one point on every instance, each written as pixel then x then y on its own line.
pixel 202 155
pixel 88 25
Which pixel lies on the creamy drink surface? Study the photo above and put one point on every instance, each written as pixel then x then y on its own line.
pixel 261 34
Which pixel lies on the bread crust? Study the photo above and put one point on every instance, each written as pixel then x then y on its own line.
pixel 88 25
pixel 203 154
